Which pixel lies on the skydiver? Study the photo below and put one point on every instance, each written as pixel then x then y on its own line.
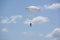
pixel 30 24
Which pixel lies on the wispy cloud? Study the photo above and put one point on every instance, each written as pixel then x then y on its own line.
pixel 38 19
pixel 39 8
pixel 28 33
pixel 4 30
pixel 41 35
pixel 12 19
pixel 55 34
pixel 31 33
pixel 4 20
pixel 33 8
pixel 52 6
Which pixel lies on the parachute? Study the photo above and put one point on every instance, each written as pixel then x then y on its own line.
pixel 33 8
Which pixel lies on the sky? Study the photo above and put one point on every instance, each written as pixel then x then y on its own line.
pixel 16 15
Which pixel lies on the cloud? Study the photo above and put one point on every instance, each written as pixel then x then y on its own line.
pixel 12 19
pixel 33 8
pixel 53 6
pixel 41 35
pixel 4 20
pixel 38 19
pixel 28 33
pixel 4 30
pixel 39 8
pixel 55 34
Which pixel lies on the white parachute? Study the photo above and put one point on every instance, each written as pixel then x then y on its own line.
pixel 33 8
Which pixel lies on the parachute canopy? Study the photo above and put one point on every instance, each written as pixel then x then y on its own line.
pixel 33 8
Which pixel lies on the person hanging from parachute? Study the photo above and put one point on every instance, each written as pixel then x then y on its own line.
pixel 32 9
pixel 30 24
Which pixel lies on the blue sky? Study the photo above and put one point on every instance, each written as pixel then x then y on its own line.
pixel 15 18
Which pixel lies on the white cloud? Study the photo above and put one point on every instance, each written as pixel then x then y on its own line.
pixel 32 34
pixel 41 35
pixel 33 8
pixel 24 33
pixel 4 20
pixel 28 33
pixel 55 34
pixel 12 19
pixel 38 19
pixel 4 30
pixel 38 8
pixel 53 6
